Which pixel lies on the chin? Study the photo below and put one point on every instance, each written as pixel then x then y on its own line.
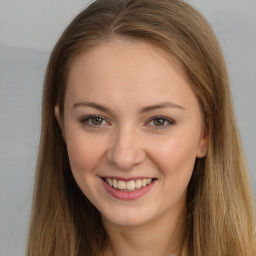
pixel 127 217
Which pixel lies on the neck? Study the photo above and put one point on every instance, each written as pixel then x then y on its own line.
pixel 162 236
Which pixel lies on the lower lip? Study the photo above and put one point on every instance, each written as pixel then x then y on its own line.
pixel 125 195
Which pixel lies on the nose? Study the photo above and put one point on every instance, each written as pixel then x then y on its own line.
pixel 126 149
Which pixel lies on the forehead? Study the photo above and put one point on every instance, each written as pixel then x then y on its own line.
pixel 128 49
pixel 123 69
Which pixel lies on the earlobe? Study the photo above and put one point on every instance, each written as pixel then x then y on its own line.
pixel 57 116
pixel 202 145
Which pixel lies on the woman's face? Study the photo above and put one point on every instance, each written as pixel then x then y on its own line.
pixel 133 129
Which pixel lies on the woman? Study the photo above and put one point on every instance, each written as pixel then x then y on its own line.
pixel 140 152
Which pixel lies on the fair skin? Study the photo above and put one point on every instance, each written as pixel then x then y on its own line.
pixel 129 115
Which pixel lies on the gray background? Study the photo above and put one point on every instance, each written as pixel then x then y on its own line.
pixel 28 31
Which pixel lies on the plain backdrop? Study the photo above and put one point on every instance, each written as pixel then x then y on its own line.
pixel 28 31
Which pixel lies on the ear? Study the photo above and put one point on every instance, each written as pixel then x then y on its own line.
pixel 202 144
pixel 57 116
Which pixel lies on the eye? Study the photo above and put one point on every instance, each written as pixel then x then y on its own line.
pixel 94 120
pixel 160 122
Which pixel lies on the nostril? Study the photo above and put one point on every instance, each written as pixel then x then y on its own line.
pixel 125 159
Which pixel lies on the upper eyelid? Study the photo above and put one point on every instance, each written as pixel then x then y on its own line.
pixel 164 117
pixel 93 116
pixel 87 117
pixel 170 123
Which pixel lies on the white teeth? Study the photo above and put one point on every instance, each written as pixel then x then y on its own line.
pixel 114 181
pixel 130 185
pixel 121 184
pixel 109 181
pixel 138 183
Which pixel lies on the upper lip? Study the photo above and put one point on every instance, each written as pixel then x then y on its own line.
pixel 127 179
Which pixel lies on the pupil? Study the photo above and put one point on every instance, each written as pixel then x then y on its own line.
pixel 97 120
pixel 158 121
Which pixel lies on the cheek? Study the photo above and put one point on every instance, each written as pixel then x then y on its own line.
pixel 84 153
pixel 175 159
pixel 176 155
pixel 84 156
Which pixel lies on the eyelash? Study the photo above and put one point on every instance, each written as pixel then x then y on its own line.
pixel 87 121
pixel 169 122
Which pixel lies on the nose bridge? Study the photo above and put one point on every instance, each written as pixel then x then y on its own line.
pixel 126 148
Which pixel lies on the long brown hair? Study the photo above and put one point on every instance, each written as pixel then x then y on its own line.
pixel 220 204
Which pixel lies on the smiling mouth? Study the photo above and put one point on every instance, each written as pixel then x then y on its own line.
pixel 128 186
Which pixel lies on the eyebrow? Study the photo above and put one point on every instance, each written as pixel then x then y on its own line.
pixel 142 110
pixel 91 105
pixel 161 105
